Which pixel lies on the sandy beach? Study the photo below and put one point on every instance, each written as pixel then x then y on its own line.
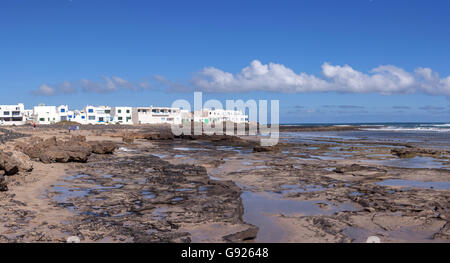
pixel 152 187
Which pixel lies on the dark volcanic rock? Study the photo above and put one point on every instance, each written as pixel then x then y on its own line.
pixel 8 164
pixel 3 186
pixel 266 149
pixel 76 149
pixel 246 235
pixel 153 199
pixel 404 153
pixel 103 147
pixel 412 152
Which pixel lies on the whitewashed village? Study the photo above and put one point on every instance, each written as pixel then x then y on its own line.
pixel 45 115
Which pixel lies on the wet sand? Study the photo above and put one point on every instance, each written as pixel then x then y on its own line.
pixel 198 190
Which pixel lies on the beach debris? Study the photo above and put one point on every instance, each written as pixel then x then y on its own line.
pixel 73 239
pixel 373 239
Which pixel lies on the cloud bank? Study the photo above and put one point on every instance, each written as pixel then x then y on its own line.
pixel 272 77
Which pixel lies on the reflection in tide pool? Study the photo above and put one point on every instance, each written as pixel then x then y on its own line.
pixel 260 208
pixel 415 162
pixel 416 184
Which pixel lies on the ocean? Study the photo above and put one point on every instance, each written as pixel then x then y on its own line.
pixel 429 134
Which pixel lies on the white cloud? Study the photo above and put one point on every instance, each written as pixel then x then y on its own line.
pixel 44 90
pixel 107 86
pixel 120 82
pixel 383 79
pixel 272 77
pixel 66 88
pixel 386 79
pixel 431 83
pixel 172 86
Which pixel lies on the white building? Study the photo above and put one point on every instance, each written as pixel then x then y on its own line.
pixel 97 115
pixel 123 115
pixel 12 114
pixel 65 114
pixel 186 116
pixel 220 115
pixel 28 115
pixel 79 116
pixel 45 114
pixel 156 115
pixel 201 116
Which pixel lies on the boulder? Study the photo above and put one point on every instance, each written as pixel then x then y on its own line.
pixel 23 161
pixel 8 164
pixel 243 236
pixel 54 156
pixel 36 146
pixel 71 151
pixel 266 149
pixel 159 136
pixel 103 147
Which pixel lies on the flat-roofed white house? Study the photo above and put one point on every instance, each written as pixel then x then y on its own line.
pixel 65 114
pixel 186 116
pixel 12 114
pixel 201 116
pixel 28 115
pixel 43 114
pixel 156 115
pixel 123 115
pixel 98 115
pixel 220 115
pixel 79 116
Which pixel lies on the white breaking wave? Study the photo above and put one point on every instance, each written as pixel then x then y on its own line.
pixel 412 129
pixel 441 125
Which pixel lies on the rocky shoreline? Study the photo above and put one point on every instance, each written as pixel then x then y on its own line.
pixel 142 184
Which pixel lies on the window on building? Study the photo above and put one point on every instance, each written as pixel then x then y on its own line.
pixel 107 111
pixel 83 117
pixel 119 111
pixel 16 113
pixel 120 118
pixel 41 119
pixel 90 110
pixel 6 113
pixel 128 111
pixel 91 118
pixel 63 110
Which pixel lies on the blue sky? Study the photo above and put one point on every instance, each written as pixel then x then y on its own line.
pixel 326 61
